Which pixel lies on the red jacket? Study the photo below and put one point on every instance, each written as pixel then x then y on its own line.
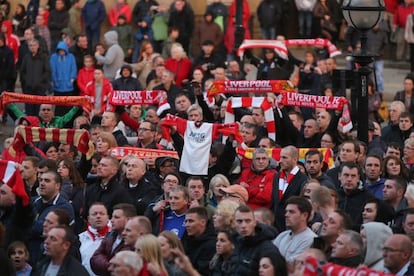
pixel 117 11
pixel 260 187
pixel 12 41
pixel 400 16
pixel 391 5
pixel 181 69
pixel 90 91
pixel 84 76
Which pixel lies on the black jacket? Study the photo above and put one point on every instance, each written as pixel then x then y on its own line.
pixel 17 220
pixel 35 72
pixel 201 249
pixel 7 68
pixel 79 54
pixel 249 250
pixel 70 266
pixel 111 195
pixel 143 193
pixel 269 13
pixel 353 204
pixel 127 84
pixel 278 205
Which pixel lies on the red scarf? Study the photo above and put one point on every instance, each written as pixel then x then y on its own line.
pixel 98 234
pixel 283 184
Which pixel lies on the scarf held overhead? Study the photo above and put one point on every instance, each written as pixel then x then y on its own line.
pixel 79 138
pixel 245 86
pixel 281 47
pixel 261 102
pixel 11 97
pixel 313 101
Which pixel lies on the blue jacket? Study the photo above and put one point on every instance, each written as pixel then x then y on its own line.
pixel 93 14
pixel 41 210
pixel 63 69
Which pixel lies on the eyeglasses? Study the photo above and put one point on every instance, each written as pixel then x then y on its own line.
pixel 46 109
pixel 144 129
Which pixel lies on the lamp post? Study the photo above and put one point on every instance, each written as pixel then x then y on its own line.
pixel 363 15
pixel 239 29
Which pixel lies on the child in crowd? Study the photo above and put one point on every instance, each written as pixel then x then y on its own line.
pixel 19 256
pixel 85 74
pixel 173 34
pixel 99 90
pixel 125 39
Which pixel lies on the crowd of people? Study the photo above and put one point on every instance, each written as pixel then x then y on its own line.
pixel 173 187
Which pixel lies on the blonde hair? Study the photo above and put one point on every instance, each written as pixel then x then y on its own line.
pixel 409 142
pixel 108 138
pixel 179 47
pixel 150 250
pixel 172 239
pixel 218 178
pixel 226 209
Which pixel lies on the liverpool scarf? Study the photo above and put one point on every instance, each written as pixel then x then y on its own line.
pixel 285 181
pixel 260 102
pixel 10 97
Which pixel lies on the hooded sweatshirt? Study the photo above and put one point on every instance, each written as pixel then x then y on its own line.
pixel 63 68
pixel 377 233
pixel 12 41
pixel 114 57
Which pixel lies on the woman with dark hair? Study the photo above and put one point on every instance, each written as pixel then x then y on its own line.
pixel 393 166
pixel 219 264
pixel 272 264
pixel 20 20
pixel 72 188
pixel 377 210
pixel 51 150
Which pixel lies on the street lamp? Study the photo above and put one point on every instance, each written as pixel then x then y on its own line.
pixel 363 15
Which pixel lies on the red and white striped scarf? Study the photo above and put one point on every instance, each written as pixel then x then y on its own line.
pixel 238 102
pixel 284 182
pixel 27 135
pixel 98 234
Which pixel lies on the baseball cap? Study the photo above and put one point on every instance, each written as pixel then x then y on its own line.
pixel 237 190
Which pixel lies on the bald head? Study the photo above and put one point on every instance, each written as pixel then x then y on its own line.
pixel 396 252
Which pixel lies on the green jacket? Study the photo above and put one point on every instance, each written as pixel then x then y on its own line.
pixel 57 121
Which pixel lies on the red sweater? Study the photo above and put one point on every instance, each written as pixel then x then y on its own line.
pixel 400 16
pixel 85 75
pixel 181 69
